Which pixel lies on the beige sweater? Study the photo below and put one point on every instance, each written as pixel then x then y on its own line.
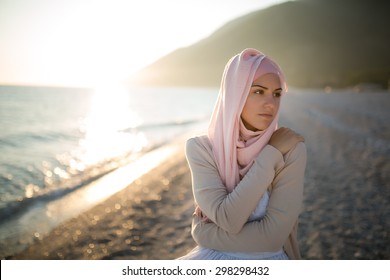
pixel 283 176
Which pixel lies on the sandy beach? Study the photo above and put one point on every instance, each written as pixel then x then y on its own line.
pixel 346 200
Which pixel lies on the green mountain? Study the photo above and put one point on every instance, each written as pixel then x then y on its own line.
pixel 316 42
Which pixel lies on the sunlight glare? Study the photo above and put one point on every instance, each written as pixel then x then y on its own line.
pixel 110 115
pixel 122 177
pixel 84 42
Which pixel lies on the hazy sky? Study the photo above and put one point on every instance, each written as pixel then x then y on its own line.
pixel 88 42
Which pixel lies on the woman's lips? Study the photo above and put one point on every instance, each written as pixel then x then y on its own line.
pixel 268 116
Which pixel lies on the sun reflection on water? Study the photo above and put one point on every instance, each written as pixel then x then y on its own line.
pixel 105 126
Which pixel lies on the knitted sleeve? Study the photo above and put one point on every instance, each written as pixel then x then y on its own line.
pixel 229 211
pixel 270 233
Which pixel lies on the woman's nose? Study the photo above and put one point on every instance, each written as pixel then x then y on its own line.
pixel 269 100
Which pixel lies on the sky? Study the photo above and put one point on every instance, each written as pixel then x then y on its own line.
pixel 84 43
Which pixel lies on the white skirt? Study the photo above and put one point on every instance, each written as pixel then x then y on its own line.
pixel 200 253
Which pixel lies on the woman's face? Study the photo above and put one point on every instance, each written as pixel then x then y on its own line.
pixel 262 103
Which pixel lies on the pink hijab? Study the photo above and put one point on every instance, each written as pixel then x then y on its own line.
pixel 235 147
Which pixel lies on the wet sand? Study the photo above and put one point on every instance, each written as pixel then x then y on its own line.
pixel 346 201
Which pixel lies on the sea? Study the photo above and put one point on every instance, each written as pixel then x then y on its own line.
pixel 60 146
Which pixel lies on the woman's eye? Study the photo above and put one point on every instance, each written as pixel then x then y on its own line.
pixel 277 94
pixel 260 91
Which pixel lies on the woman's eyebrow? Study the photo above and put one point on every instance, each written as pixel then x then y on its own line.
pixel 259 86
pixel 265 87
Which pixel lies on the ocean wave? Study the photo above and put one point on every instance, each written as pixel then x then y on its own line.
pixel 161 125
pixel 55 192
pixel 45 193
pixel 29 138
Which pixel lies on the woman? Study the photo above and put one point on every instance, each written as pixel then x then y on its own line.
pixel 247 175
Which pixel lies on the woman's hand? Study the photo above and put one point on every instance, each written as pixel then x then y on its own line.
pixel 284 139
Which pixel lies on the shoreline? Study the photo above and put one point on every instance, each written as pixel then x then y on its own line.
pixel 149 219
pixel 40 218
